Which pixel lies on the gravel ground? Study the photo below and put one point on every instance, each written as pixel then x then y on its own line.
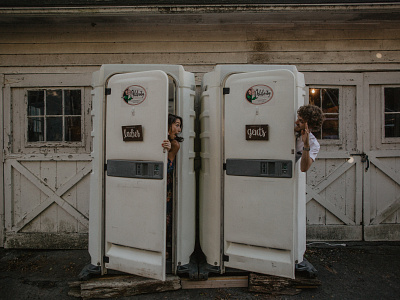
pixel 354 271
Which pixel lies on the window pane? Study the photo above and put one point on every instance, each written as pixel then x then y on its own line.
pixel 330 127
pixel 392 99
pixel 392 125
pixel 317 133
pixel 330 100
pixel 54 129
pixel 36 103
pixel 53 102
pixel 315 97
pixel 72 100
pixel 36 129
pixel 72 129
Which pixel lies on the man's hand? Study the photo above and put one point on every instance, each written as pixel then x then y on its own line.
pixel 306 160
pixel 305 135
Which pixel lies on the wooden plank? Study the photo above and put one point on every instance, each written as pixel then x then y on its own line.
pixel 66 222
pixel 49 188
pixel 337 173
pixel 386 212
pixel 115 58
pixel 395 176
pixel 2 179
pixel 50 157
pixel 194 58
pixel 83 196
pixel 50 79
pixel 104 46
pixel 122 286
pixel 216 282
pixel 280 286
pixel 121 34
pixel 326 56
pixel 311 194
pixel 328 32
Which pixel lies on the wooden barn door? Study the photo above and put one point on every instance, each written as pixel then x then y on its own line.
pixel 46 186
pixel 335 180
pixel 382 146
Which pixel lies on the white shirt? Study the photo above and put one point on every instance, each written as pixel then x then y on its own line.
pixel 314 146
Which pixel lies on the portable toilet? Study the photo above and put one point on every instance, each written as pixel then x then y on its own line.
pixel 127 227
pixel 252 193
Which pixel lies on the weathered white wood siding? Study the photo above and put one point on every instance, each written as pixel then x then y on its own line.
pixel 32 54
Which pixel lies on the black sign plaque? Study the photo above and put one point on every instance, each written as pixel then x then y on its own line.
pixel 133 133
pixel 257 132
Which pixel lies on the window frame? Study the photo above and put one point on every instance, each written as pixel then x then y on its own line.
pixel 341 128
pixel 54 144
pixel 386 140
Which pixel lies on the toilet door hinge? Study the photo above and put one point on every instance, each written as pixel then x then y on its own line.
pixel 225 257
pixel 105 167
pixel 106 259
pixel 107 91
pixel 224 166
pixel 226 91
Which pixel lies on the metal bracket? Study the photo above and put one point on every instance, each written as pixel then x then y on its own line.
pixel 364 158
pixel 107 91
pixel 226 91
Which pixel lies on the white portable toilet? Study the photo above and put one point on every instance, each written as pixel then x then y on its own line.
pixel 252 193
pixel 127 227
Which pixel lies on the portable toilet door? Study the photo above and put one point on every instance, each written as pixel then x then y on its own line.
pixel 249 214
pixel 127 228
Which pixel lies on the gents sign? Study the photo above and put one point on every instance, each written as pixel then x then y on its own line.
pixel 257 132
pixel 132 133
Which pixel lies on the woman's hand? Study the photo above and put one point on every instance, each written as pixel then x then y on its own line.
pixel 166 144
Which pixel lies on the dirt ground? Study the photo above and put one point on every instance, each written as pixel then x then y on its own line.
pixel 354 271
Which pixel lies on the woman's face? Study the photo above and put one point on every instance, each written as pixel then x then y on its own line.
pixel 174 129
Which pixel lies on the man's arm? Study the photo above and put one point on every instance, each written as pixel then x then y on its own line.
pixel 306 160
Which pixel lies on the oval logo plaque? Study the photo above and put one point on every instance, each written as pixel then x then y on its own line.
pixel 134 94
pixel 259 94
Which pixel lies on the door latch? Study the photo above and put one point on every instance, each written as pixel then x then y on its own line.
pixel 364 158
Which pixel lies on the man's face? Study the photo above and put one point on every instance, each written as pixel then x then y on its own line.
pixel 300 124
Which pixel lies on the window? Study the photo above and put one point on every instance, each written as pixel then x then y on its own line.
pixel 54 115
pixel 392 112
pixel 328 100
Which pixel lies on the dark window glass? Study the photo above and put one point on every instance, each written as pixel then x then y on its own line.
pixel 392 112
pixel 330 128
pixel 72 100
pixel 54 129
pixel 72 129
pixel 35 103
pixel 392 100
pixel 46 120
pixel 53 102
pixel 328 100
pixel 36 129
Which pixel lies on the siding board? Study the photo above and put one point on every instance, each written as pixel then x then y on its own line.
pixel 124 47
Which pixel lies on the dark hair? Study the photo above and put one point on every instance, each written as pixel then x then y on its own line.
pixel 172 119
pixel 312 114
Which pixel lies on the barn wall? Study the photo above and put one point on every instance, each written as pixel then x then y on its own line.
pixel 82 47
